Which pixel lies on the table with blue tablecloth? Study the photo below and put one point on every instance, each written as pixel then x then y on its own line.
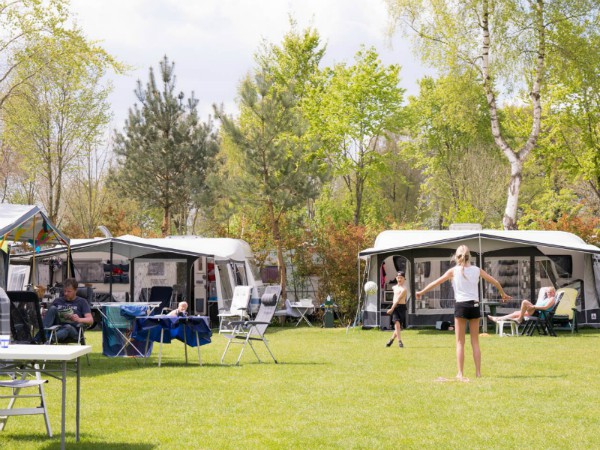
pixel 193 331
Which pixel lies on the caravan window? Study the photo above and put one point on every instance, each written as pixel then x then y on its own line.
pixel 226 288
pixel 563 264
pixel 239 274
pixel 166 272
pixel 18 277
pixel 514 276
pixel 89 271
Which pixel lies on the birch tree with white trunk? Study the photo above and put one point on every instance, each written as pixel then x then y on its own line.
pixel 508 44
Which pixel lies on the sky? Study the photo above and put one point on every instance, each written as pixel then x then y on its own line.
pixel 212 42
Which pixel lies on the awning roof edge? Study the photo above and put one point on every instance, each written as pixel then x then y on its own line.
pixel 495 235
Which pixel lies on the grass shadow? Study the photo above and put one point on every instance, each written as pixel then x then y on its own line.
pixel 51 443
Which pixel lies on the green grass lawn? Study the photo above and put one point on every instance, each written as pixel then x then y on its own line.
pixel 334 389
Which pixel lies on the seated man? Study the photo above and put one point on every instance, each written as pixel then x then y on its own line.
pixel 68 311
pixel 181 310
pixel 545 301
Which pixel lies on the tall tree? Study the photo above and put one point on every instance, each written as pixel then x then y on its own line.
pixel 26 26
pixel 165 149
pixel 508 44
pixel 277 171
pixel 573 141
pixel 451 143
pixel 59 114
pixel 87 196
pixel 351 111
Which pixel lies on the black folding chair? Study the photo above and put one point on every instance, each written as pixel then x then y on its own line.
pixel 162 296
pixel 542 320
pixel 26 325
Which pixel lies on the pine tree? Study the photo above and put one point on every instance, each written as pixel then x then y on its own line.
pixel 165 150
pixel 277 172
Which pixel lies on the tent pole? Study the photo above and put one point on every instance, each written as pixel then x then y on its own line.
pixel 110 277
pixel 34 267
pixel 481 267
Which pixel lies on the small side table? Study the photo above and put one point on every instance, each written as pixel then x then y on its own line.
pixel 492 305
pixel 514 328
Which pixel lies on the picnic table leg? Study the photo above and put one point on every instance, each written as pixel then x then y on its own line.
pixel 78 402
pixel 146 356
pixel 185 342
pixel 63 406
pixel 198 345
pixel 162 332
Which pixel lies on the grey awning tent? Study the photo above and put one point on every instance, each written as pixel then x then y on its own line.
pixel 478 241
pixel 26 223
pixel 231 255
pixel 442 243
pixel 131 247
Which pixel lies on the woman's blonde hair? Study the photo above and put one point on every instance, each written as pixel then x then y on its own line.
pixel 462 257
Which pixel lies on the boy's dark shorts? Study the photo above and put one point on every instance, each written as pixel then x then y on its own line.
pixel 399 315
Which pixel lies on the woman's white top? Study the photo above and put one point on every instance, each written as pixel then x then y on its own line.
pixel 465 282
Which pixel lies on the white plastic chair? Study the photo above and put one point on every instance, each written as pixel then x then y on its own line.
pixel 238 309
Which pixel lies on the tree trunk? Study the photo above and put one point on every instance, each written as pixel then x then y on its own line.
pixel 166 222
pixel 359 192
pixel 280 260
pixel 512 197
pixel 516 159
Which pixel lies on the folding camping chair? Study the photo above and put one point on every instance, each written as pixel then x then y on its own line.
pixel 27 326
pixel 15 383
pixel 118 325
pixel 542 320
pixel 565 315
pixel 162 296
pixel 238 309
pixel 244 332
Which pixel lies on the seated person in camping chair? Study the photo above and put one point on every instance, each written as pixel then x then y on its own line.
pixel 545 301
pixel 69 312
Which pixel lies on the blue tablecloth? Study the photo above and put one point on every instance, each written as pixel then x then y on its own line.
pixel 117 325
pixel 180 328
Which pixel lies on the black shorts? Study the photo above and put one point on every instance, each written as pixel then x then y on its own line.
pixel 399 315
pixel 467 310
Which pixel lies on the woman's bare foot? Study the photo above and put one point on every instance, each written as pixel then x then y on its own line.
pixel 493 319
pixel 462 379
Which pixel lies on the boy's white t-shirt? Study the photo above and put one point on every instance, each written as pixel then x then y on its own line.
pixel 465 282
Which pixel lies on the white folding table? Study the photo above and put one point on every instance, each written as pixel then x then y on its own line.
pixel 302 309
pixel 50 360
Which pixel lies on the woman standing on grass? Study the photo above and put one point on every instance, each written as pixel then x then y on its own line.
pixel 465 279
